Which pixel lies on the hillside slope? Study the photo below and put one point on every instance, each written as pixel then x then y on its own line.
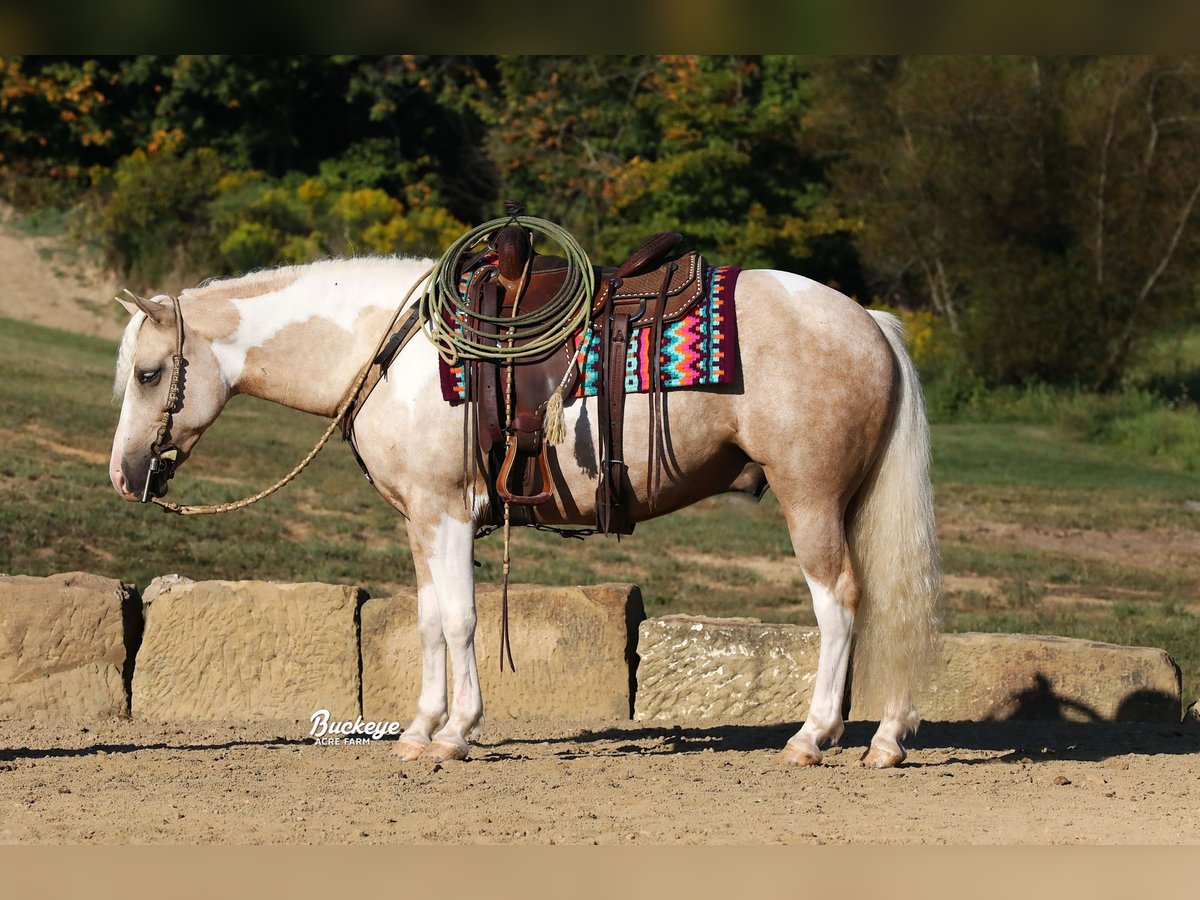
pixel 49 281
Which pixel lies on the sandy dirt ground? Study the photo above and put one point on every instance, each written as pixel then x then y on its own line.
pixel 121 781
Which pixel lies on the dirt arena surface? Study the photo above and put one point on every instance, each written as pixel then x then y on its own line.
pixel 121 781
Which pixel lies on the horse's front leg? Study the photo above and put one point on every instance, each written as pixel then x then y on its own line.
pixel 431 704
pixel 447 549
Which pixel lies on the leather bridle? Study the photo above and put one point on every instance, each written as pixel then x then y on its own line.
pixel 164 455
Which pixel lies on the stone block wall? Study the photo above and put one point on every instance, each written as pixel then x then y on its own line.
pixel 743 669
pixel 249 650
pixel 573 648
pixel 78 645
pixel 67 645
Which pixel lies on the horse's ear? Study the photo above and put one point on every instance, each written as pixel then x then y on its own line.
pixel 156 312
pixel 130 306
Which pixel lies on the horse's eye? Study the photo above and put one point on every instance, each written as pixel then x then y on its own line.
pixel 148 377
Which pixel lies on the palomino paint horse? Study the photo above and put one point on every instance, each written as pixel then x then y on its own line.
pixel 828 412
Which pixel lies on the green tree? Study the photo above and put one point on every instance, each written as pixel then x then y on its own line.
pixel 57 120
pixel 730 167
pixel 372 122
pixel 386 122
pixel 1044 207
pixel 619 147
pixel 562 130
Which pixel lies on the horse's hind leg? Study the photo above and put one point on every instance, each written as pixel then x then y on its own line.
pixel 899 718
pixel 819 540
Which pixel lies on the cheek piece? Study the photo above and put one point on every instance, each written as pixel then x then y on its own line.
pixel 164 455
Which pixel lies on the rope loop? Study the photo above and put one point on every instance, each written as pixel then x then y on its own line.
pixel 525 335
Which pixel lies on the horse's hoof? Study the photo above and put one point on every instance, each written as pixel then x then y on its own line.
pixel 878 757
pixel 407 751
pixel 439 751
pixel 792 755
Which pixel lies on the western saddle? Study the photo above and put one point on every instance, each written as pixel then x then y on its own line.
pixel 508 400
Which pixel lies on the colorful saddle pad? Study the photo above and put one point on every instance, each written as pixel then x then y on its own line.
pixel 698 350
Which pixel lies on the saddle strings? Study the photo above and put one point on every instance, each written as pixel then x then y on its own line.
pixel 656 439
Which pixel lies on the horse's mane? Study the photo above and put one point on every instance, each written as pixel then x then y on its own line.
pixel 267 281
pixel 125 356
pixel 252 284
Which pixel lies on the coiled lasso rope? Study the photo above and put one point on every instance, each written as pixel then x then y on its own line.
pixel 521 336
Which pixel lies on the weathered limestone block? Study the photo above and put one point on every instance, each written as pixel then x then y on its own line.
pixel 694 667
pixel 248 650
pixel 161 583
pixel 744 669
pixel 573 648
pixel 1023 676
pixel 66 644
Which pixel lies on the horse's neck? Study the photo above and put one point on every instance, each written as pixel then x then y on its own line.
pixel 304 345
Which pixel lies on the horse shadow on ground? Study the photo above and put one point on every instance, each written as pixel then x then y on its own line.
pixel 1011 740
pixel 1041 725
pixel 12 754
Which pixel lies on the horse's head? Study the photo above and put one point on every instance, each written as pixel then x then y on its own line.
pixel 145 368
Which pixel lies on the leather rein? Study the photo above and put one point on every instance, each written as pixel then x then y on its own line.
pixel 164 455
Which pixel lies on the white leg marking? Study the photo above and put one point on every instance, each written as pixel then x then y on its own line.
pixel 899 719
pixel 454 577
pixel 823 724
pixel 431 704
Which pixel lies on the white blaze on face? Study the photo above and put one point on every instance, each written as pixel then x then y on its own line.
pixel 115 475
pixel 125 355
pixel 121 383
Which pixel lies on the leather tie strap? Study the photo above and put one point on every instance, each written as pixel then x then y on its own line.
pixel 656 440
pixel 611 514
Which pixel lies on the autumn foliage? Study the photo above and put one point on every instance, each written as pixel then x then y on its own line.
pixel 1034 218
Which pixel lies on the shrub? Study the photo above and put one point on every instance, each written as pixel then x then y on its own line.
pixel 169 212
pixel 1168 436
pixel 297 218
pixel 248 244
pixel 155 221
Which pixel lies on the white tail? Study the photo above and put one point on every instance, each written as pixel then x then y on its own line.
pixel 893 539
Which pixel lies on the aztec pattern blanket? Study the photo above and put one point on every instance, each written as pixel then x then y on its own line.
pixel 698 350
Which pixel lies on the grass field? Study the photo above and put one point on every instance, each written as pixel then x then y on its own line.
pixel 1041 532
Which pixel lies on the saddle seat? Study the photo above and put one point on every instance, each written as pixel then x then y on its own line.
pixel 636 285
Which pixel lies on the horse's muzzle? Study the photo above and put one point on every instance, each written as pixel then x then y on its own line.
pixel 159 472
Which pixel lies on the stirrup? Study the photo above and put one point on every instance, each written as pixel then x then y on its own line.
pixel 510 458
